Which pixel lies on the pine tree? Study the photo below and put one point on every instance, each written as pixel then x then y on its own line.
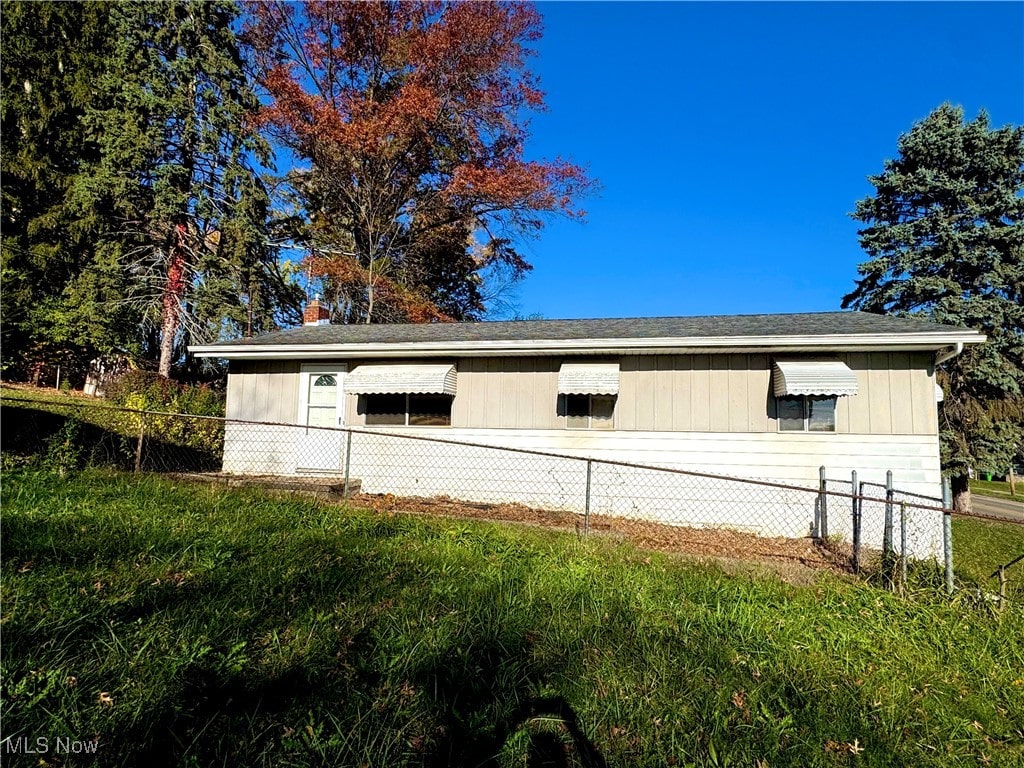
pixel 53 55
pixel 945 233
pixel 176 186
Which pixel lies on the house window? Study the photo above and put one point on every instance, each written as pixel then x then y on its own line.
pixel 589 411
pixel 407 410
pixel 586 394
pixel 806 413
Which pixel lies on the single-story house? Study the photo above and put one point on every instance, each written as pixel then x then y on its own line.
pixel 760 396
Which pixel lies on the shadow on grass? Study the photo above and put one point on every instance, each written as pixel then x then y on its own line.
pixel 31 433
pixel 470 688
pixel 469 740
pixel 470 717
pixel 476 694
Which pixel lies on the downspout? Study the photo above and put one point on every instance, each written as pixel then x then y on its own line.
pixel 948 353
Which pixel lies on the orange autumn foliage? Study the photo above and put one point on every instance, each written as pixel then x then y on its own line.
pixel 412 116
pixel 398 301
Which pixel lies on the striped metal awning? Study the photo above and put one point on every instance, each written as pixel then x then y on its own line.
pixel 813 377
pixel 384 378
pixel 588 379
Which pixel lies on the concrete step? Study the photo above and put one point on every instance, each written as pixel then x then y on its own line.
pixel 319 487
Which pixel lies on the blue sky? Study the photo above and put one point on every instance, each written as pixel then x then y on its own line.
pixel 732 139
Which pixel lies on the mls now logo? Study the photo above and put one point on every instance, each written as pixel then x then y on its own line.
pixel 62 745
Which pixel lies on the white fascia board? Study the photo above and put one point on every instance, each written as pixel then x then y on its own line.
pixel 671 345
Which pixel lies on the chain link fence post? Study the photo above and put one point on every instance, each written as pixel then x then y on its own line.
pixel 586 508
pixel 348 462
pixel 887 543
pixel 855 515
pixel 822 504
pixel 903 547
pixel 947 533
pixel 138 445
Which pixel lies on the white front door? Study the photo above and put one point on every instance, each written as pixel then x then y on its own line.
pixel 321 404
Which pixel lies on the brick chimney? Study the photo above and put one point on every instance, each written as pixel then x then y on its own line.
pixel 316 313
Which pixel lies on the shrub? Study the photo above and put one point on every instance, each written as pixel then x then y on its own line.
pixel 148 391
pixel 64 453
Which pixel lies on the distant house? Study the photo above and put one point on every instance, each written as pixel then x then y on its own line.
pixel 105 369
pixel 763 396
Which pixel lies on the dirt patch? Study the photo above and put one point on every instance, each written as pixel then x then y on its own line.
pixel 794 560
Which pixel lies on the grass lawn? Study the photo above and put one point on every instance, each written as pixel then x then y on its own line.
pixel 185 625
pixel 49 395
pixel 76 429
pixel 84 408
pixel 981 546
pixel 1000 489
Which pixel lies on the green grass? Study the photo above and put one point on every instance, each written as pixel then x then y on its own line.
pixel 88 410
pixel 54 429
pixel 186 625
pixel 49 395
pixel 981 546
pixel 999 489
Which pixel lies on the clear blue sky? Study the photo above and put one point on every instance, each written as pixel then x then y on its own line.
pixel 732 139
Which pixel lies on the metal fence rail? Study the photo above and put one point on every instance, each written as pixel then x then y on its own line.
pixel 875 527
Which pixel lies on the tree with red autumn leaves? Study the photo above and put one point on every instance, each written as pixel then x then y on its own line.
pixel 412 119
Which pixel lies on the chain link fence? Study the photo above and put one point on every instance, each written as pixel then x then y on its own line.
pixel 74 435
pixel 865 527
pixel 882 527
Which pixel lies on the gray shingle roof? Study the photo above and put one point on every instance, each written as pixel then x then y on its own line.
pixel 738 326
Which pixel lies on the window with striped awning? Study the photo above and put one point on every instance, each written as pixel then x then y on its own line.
pixel 588 379
pixel 813 377
pixel 402 379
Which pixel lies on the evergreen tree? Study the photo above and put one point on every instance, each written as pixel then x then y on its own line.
pixel 53 56
pixel 133 216
pixel 945 233
pixel 183 206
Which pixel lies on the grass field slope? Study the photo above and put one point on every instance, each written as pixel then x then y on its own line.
pixel 171 624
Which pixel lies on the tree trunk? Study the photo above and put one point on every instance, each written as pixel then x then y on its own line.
pixel 961 494
pixel 174 290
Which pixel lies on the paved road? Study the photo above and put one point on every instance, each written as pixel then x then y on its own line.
pixel 988 505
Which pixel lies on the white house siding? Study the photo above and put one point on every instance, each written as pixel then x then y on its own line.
pixel 387 464
pixel 258 449
pixel 385 461
pixel 703 413
pixel 265 391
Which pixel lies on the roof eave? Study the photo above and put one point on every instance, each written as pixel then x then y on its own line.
pixel 905 342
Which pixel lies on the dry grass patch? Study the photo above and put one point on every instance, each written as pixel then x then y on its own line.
pixel 790 558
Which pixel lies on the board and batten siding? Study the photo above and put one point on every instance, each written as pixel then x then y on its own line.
pixel 263 390
pixel 718 393
pixel 726 393
pixel 507 393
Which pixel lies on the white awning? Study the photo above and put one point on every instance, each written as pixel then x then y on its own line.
pixel 381 379
pixel 588 379
pixel 813 377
